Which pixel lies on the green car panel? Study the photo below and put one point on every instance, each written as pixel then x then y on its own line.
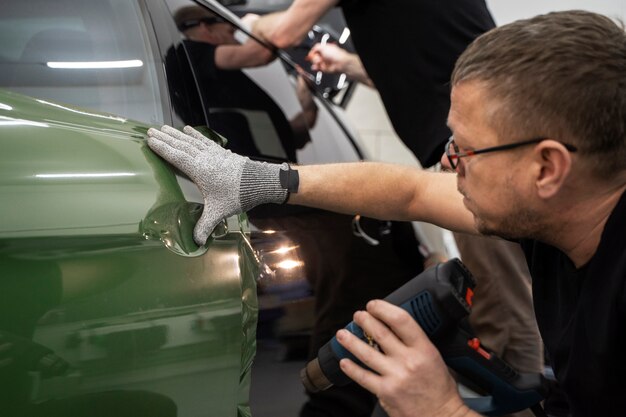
pixel 107 305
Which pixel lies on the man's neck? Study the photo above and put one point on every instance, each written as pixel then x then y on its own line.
pixel 579 236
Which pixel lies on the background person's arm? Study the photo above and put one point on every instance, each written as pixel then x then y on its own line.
pixel 288 28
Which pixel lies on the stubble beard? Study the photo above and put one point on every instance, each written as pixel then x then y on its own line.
pixel 521 222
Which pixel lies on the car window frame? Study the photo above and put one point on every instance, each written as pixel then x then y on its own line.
pixel 165 37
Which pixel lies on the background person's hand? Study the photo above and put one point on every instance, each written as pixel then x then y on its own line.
pixel 328 58
pixel 229 183
pixel 249 19
pixel 332 59
pixel 410 377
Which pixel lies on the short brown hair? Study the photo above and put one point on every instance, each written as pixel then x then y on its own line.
pixel 561 75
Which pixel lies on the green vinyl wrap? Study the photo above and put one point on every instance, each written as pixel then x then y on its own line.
pixel 107 306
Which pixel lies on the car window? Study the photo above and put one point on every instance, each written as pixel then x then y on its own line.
pixel 245 113
pixel 90 53
pixel 256 122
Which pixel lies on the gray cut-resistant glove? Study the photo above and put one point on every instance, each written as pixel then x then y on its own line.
pixel 230 183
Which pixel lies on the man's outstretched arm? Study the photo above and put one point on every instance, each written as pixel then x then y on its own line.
pixel 384 191
pixel 232 184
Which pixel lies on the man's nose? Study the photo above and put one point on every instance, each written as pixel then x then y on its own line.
pixel 446 166
pixel 445 163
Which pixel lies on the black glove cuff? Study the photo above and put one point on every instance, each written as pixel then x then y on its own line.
pixel 289 180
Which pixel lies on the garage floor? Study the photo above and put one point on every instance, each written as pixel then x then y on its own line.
pixel 276 389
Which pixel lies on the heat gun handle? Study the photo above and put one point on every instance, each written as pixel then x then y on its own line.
pixel 503 390
pixel 435 299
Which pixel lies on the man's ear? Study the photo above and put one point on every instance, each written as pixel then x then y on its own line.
pixel 555 163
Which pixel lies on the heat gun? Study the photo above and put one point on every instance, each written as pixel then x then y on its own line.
pixel 440 300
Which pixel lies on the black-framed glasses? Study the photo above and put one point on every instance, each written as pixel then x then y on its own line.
pixel 454 153
pixel 190 23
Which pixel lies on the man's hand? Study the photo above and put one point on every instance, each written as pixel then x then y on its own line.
pixel 230 183
pixel 410 378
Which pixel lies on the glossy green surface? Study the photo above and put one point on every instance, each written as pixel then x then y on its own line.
pixel 107 306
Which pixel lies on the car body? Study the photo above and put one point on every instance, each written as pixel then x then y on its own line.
pixel 108 306
pixel 100 277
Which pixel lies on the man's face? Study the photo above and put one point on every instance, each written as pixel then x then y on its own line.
pixel 497 188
